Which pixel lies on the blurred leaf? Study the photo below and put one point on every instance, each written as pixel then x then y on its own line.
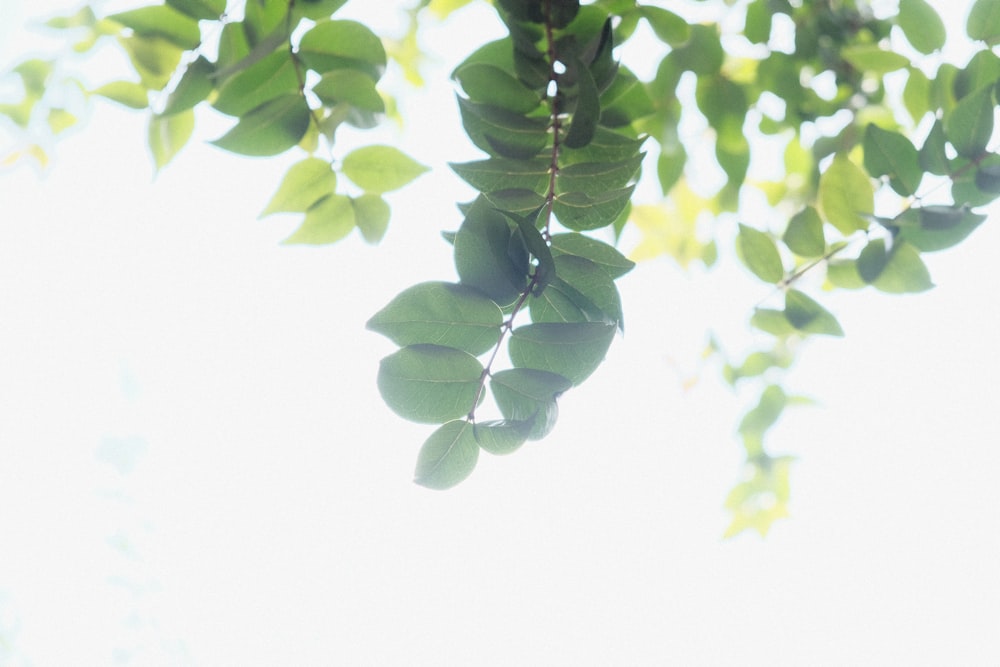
pixel 932 228
pixel 804 234
pixel 669 28
pixel 969 126
pixel 759 253
pixel 154 59
pixel 891 154
pixel 269 129
pixel 984 21
pixel 168 134
pixel 127 93
pixel 808 316
pixel 334 45
pixel 208 10
pixel 304 184
pixel 195 85
pixel 350 86
pixel 922 26
pixel 845 195
pixel 161 21
pixel 874 59
pixel 270 77
pixel 327 221
pixel 528 396
pixel 371 214
pixel 381 169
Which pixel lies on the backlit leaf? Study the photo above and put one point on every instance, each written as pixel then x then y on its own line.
pixel 572 350
pixel 932 228
pixel 381 168
pixel 500 173
pixel 371 215
pixel 598 252
pixel 482 255
pixel 669 28
pixel 904 273
pixel 327 221
pixel 168 134
pixel 804 234
pixel 304 184
pixel 871 58
pixel 759 253
pixel 984 21
pixel 195 85
pixel 334 45
pixel 529 396
pixel 448 456
pixel 808 316
pixel 502 436
pixel 969 125
pixel 489 84
pixel 128 93
pixel 503 133
pixel 351 86
pixel 921 24
pixel 200 9
pixel 430 383
pixel 586 112
pixel 441 314
pixel 161 21
pixel 891 154
pixel 269 129
pixel 846 195
pixel 270 77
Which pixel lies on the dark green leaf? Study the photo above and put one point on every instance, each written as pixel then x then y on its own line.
pixel 128 93
pixel 272 76
pixel 933 156
pixel 442 314
pixel 933 228
pixel 489 84
pixel 195 85
pixel 503 133
pixel 516 200
pixel 571 350
pixel 670 28
pixel 759 253
pixel 804 235
pixel 430 383
pixel 808 316
pixel 586 112
pixel 580 211
pixel 448 456
pixel 969 125
pixel 482 255
pixel 598 252
pixel 594 284
pixel 269 129
pixel 594 177
pixel 208 10
pixel 381 168
pixel 891 154
pixel 872 260
pixel 500 173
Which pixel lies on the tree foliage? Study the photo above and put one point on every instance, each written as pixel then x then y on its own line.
pixel 884 155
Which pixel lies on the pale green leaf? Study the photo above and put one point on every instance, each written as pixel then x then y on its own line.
pixel 371 214
pixel 873 59
pixel 381 168
pixel 269 129
pixel 168 134
pixel 440 313
pixel 195 85
pixel 127 93
pixel 448 456
pixel 921 24
pixel 327 221
pixel 573 350
pixel 969 125
pixel 208 10
pixel 501 437
pixel 334 45
pixel 808 316
pixel 352 87
pixel 528 396
pixel 804 234
pixel 984 21
pixel 891 154
pixel 846 195
pixel 304 184
pixel 759 253
pixel 161 21
pixel 430 383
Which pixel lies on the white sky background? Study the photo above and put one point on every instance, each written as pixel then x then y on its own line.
pixel 268 516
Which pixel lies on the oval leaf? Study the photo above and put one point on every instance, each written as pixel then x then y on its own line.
pixel 759 253
pixel 270 129
pixel 327 221
pixel 573 350
pixel 448 456
pixel 430 383
pixel 381 168
pixel 304 184
pixel 846 195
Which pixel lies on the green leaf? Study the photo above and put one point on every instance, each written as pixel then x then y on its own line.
pixel 808 316
pixel 448 456
pixel 82 18
pixel 127 93
pixel 969 125
pixel 517 200
pixel 371 214
pixel 844 274
pixel 762 417
pixel 904 272
pixel 804 234
pixel 381 169
pixel 557 303
pixel 592 283
pixel 581 211
pixel 195 85
pixel 873 59
pixel 269 129
pixel 501 437
pixel 922 26
pixel 702 53
pixel 154 59
pixel 318 9
pixel 846 195
pixel 891 154
pixel 500 173
pixel 759 253
pixel 168 134
pixel 772 321
pixel 270 77
pixel 208 10
pixel 598 252
pixel 757 27
pixel 872 260
pixel 573 350
pixel 916 94
pixel 503 133
pixel 304 184
pixel 441 314
pixel 984 22
pixel 334 45
pixel 586 112
pixel 488 84
pixel 528 396
pixel 327 221
pixel 430 383
pixel 933 156
pixel 162 21
pixel 606 146
pixel 350 86
pixel 482 255
pixel 60 120
pixel 932 228
pixel 670 28
pixel 593 177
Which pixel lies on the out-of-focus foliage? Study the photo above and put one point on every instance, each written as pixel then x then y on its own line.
pixel 886 153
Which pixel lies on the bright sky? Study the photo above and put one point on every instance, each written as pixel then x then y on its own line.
pixel 197 469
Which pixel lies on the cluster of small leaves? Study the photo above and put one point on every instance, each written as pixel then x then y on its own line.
pixel 535 103
pixel 865 193
pixel 288 72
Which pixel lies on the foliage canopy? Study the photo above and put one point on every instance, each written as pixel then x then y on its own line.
pixel 885 155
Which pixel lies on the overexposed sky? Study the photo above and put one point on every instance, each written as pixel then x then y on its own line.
pixel 197 469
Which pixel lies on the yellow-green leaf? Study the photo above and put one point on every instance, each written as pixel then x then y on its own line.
pixel 846 195
pixel 304 184
pixel 381 168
